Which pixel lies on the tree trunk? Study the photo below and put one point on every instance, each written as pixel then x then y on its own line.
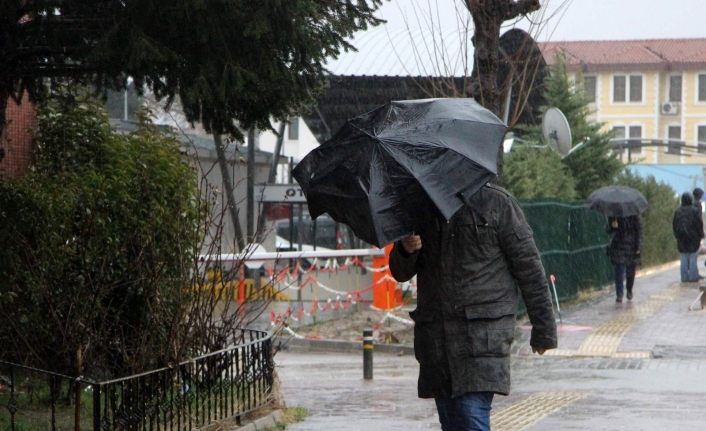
pixel 250 216
pixel 3 122
pixel 488 16
pixel 228 185
pixel 260 231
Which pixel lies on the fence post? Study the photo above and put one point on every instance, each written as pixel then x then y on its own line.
pixel 96 406
pixel 368 345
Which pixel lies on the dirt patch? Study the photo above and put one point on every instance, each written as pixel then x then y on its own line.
pixel 388 328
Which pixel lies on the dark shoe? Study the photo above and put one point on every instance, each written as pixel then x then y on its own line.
pixel 619 300
pixel 629 295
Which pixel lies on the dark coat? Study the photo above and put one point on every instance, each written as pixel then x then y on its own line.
pixel 468 273
pixel 688 226
pixel 625 244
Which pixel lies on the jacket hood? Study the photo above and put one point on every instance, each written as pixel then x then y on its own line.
pixel 686 199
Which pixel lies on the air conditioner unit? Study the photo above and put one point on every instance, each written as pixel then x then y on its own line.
pixel 670 108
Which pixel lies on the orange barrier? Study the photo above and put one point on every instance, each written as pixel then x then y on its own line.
pixel 386 294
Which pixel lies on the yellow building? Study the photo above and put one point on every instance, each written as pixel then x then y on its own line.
pixel 651 93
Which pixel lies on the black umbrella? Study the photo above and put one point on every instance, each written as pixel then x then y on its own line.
pixel 385 171
pixel 617 201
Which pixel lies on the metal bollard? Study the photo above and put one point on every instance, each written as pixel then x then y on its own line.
pixel 368 344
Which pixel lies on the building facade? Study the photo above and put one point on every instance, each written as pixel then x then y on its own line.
pixel 650 93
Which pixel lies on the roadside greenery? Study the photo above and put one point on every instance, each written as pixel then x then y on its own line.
pixel 98 241
pixel 589 167
pixel 533 171
pixel 290 416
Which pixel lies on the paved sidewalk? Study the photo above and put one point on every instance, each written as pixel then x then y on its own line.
pixel 638 365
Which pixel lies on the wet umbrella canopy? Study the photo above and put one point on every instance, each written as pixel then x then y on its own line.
pixel 617 201
pixel 386 172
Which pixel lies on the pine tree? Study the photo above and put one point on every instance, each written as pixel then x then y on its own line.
pixel 532 173
pixel 594 164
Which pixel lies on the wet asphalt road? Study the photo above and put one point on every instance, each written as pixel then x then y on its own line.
pixel 654 378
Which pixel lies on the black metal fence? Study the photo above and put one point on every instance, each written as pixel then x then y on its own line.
pixel 221 385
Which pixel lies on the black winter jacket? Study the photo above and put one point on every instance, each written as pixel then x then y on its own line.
pixel 468 272
pixel 626 241
pixel 688 226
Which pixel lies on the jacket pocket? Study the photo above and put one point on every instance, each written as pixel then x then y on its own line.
pixel 490 328
pixel 428 342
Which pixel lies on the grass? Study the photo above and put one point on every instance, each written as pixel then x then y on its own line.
pixel 33 403
pixel 290 416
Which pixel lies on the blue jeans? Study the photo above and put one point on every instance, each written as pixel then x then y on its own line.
pixel 688 267
pixel 624 274
pixel 469 412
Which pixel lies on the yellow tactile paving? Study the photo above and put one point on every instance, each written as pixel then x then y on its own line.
pixel 632 355
pixel 606 339
pixel 531 410
pixel 560 352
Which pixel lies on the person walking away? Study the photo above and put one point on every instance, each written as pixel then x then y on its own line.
pixel 470 271
pixel 698 193
pixel 688 230
pixel 624 252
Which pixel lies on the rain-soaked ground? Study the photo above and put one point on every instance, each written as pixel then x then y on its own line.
pixel 635 366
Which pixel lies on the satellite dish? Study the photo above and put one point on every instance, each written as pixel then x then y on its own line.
pixel 556 131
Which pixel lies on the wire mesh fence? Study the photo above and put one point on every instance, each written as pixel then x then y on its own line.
pixel 572 242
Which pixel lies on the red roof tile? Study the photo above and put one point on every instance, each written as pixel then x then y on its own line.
pixel 627 54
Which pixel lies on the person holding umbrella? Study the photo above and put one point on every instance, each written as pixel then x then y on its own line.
pixel 415 173
pixel 688 229
pixel 468 272
pixel 622 206
pixel 624 252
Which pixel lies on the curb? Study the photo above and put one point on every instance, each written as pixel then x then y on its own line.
pixel 260 424
pixel 655 269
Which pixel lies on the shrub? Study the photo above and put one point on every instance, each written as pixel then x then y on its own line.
pixel 98 246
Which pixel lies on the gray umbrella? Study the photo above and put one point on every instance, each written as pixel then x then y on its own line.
pixel 617 201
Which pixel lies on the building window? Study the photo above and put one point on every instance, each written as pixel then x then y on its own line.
pixel 627 87
pixel 636 88
pixel 702 87
pixel 675 88
pixel 674 144
pixel 674 133
pixel 618 138
pixel 701 138
pixel 293 134
pixel 635 141
pixel 619 88
pixel 589 88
